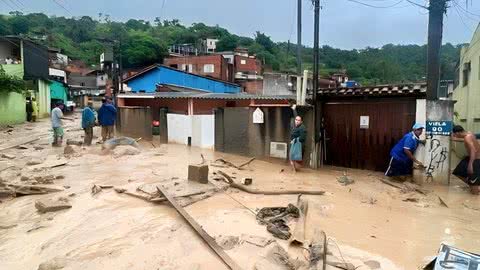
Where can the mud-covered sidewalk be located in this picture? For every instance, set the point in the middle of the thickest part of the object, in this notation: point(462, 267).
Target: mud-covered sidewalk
point(376, 225)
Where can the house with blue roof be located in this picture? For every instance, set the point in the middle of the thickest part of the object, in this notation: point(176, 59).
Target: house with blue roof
point(147, 81)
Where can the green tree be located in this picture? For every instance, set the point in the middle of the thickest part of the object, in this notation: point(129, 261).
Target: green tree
point(265, 41)
point(19, 25)
point(227, 43)
point(141, 49)
point(10, 83)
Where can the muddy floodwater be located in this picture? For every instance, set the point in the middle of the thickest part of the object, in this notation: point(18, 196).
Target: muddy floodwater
point(367, 221)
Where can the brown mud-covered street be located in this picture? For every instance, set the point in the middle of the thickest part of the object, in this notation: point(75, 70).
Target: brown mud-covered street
point(376, 226)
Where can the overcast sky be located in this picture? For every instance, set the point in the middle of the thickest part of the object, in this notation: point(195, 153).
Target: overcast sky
point(344, 24)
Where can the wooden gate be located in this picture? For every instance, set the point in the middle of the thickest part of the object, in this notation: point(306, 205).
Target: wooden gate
point(349, 145)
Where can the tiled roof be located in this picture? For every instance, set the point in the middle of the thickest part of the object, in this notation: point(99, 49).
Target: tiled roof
point(196, 95)
point(419, 89)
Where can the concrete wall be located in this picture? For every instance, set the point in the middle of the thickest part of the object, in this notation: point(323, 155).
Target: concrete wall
point(199, 128)
point(179, 128)
point(43, 98)
point(236, 133)
point(203, 131)
point(12, 108)
point(161, 75)
point(135, 122)
point(277, 84)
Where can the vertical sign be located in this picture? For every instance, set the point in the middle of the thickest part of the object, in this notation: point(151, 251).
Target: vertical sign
point(364, 122)
point(258, 116)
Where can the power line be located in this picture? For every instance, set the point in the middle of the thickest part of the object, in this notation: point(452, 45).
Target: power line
point(8, 4)
point(461, 18)
point(417, 5)
point(373, 6)
point(62, 6)
point(161, 10)
point(464, 9)
point(17, 6)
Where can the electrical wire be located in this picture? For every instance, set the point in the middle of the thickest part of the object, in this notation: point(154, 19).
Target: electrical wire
point(417, 5)
point(293, 23)
point(373, 6)
point(464, 9)
point(8, 4)
point(17, 6)
point(461, 18)
point(161, 10)
point(63, 7)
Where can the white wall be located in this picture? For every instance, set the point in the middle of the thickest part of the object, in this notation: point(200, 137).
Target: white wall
point(179, 128)
point(421, 117)
point(201, 128)
point(203, 131)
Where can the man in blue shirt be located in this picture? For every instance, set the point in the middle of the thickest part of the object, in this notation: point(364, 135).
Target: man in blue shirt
point(107, 115)
point(402, 154)
point(88, 122)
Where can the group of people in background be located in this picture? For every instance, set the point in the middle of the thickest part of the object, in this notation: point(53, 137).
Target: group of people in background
point(11, 61)
point(106, 116)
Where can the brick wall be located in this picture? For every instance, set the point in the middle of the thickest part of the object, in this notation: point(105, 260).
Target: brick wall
point(251, 65)
point(221, 67)
point(252, 87)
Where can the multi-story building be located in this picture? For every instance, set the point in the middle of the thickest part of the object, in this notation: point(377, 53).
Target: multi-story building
point(467, 85)
point(26, 60)
point(215, 66)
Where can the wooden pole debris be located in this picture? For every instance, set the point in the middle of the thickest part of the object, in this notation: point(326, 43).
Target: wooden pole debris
point(390, 183)
point(318, 250)
point(203, 234)
point(230, 164)
point(246, 163)
point(20, 142)
point(442, 202)
point(298, 235)
point(266, 192)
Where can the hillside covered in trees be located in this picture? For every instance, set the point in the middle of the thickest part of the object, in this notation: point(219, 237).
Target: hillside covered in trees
point(145, 42)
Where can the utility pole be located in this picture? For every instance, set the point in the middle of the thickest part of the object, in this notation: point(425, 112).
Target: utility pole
point(316, 71)
point(438, 112)
point(121, 64)
point(437, 10)
point(299, 38)
point(299, 54)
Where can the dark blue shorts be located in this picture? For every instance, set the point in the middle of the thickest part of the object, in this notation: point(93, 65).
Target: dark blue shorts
point(399, 168)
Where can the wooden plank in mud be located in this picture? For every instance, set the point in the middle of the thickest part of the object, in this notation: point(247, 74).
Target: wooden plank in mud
point(205, 236)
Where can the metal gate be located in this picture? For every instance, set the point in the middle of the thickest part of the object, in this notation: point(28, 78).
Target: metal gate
point(365, 145)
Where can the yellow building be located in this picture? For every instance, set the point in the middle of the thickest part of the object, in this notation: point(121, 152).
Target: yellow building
point(467, 88)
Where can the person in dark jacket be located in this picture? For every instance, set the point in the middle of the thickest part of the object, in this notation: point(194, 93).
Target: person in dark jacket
point(106, 118)
point(299, 132)
point(29, 109)
point(88, 122)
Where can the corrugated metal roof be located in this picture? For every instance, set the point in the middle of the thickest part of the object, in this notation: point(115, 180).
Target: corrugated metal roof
point(379, 90)
point(196, 95)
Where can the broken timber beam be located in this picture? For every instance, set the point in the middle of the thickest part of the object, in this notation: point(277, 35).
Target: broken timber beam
point(205, 236)
point(266, 192)
point(298, 235)
point(20, 142)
